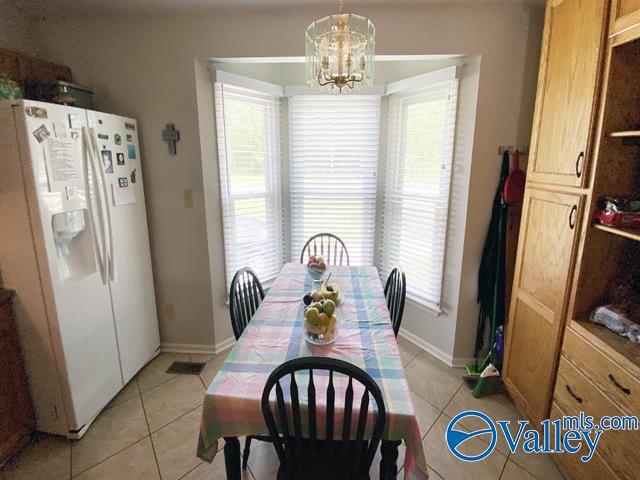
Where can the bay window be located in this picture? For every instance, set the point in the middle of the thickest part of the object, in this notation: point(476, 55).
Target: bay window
point(322, 176)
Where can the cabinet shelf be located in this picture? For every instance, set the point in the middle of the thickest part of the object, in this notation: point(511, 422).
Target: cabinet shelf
point(623, 232)
point(623, 350)
point(629, 137)
point(626, 133)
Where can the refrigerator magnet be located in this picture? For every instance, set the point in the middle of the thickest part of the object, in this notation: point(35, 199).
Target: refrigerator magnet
point(133, 176)
point(75, 135)
point(36, 112)
point(129, 126)
point(123, 182)
point(120, 158)
point(75, 120)
point(131, 150)
point(42, 133)
point(59, 130)
point(107, 160)
point(103, 136)
point(117, 139)
point(129, 138)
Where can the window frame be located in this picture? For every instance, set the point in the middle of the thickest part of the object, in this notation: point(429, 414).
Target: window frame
point(273, 185)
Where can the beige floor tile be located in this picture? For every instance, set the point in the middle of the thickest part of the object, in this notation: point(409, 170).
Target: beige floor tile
point(46, 457)
point(425, 413)
point(135, 463)
point(212, 367)
point(433, 475)
point(450, 467)
point(216, 471)
point(538, 464)
point(113, 431)
point(155, 372)
point(201, 357)
point(433, 380)
point(171, 399)
point(408, 350)
point(497, 407)
point(129, 391)
point(175, 445)
point(514, 472)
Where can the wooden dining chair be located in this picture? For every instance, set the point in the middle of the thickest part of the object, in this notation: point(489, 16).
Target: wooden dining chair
point(330, 246)
point(395, 292)
point(312, 456)
point(245, 295)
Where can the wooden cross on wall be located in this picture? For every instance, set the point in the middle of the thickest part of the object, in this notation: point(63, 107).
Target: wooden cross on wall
point(171, 136)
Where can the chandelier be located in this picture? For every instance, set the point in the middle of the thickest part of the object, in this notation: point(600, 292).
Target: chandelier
point(340, 51)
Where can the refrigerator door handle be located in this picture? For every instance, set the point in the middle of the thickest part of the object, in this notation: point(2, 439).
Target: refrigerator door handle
point(105, 195)
point(94, 197)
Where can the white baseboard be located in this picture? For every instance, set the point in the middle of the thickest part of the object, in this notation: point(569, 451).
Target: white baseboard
point(199, 349)
point(224, 344)
point(187, 348)
point(435, 351)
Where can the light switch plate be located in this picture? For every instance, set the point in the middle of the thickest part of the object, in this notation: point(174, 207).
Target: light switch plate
point(170, 311)
point(188, 198)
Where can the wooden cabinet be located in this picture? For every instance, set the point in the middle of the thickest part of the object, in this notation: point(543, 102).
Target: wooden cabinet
point(575, 393)
point(626, 15)
point(570, 66)
point(573, 467)
point(16, 414)
point(548, 236)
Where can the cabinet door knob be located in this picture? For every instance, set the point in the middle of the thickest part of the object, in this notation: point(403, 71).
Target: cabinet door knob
point(575, 397)
point(579, 164)
point(572, 220)
point(624, 390)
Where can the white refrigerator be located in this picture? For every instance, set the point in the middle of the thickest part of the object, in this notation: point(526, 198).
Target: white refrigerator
point(74, 246)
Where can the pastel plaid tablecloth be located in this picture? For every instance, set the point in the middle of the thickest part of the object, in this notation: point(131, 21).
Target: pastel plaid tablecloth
point(276, 334)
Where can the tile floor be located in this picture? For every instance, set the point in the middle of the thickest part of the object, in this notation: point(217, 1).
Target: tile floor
point(149, 431)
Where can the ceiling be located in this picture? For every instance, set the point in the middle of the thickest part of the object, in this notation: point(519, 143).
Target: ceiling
point(41, 7)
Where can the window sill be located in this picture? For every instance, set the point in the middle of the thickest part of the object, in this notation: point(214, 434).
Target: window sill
point(427, 307)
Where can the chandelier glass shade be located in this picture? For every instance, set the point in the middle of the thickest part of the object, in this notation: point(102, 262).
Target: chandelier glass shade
point(340, 53)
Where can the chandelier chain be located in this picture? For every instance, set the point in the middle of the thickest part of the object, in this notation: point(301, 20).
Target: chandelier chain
point(340, 6)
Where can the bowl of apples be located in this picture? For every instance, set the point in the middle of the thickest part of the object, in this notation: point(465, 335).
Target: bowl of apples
point(320, 322)
point(316, 266)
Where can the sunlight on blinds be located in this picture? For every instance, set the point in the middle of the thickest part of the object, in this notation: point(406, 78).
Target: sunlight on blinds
point(421, 128)
point(248, 129)
point(333, 151)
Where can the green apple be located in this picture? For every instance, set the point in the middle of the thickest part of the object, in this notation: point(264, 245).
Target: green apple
point(317, 306)
point(329, 307)
point(313, 315)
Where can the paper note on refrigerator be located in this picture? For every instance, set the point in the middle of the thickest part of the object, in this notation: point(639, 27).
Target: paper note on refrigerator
point(64, 165)
point(122, 195)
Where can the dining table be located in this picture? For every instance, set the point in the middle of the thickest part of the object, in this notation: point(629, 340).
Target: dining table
point(275, 334)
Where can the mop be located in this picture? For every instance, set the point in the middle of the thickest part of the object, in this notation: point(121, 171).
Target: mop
point(483, 376)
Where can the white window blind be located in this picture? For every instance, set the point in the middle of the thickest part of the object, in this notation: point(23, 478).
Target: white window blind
point(419, 153)
point(333, 152)
point(248, 130)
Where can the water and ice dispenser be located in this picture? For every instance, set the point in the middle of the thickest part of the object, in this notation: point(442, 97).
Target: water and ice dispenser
point(73, 244)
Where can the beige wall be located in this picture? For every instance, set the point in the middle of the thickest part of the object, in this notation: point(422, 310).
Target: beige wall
point(15, 30)
point(143, 66)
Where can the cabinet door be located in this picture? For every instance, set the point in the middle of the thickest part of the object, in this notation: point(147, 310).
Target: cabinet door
point(538, 304)
point(626, 15)
point(566, 101)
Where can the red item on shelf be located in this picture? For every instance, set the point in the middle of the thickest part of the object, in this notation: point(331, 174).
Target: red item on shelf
point(620, 213)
